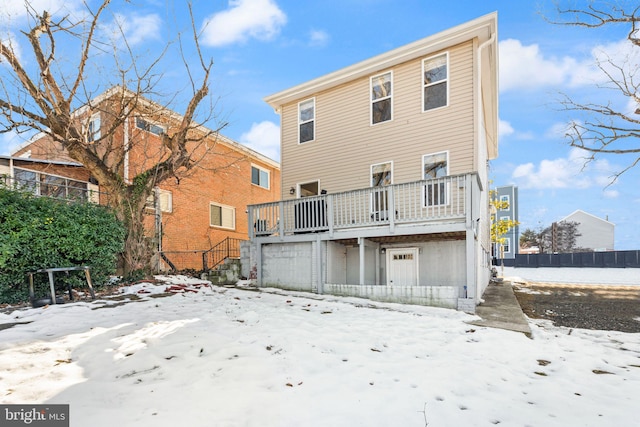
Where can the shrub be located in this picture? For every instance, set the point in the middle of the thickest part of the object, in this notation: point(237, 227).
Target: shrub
point(39, 232)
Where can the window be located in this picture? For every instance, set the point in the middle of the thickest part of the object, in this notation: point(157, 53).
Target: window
point(435, 166)
point(381, 102)
point(44, 184)
point(309, 189)
point(435, 77)
point(222, 216)
point(260, 177)
point(52, 186)
point(149, 127)
point(26, 180)
point(164, 198)
point(506, 245)
point(381, 176)
point(505, 199)
point(93, 130)
point(306, 120)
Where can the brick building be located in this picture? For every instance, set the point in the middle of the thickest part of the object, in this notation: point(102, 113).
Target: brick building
point(189, 214)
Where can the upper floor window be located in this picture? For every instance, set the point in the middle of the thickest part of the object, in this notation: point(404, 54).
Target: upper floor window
point(435, 166)
point(222, 216)
point(307, 120)
point(381, 101)
point(163, 198)
point(93, 131)
point(435, 82)
point(505, 200)
point(149, 126)
point(260, 177)
point(506, 245)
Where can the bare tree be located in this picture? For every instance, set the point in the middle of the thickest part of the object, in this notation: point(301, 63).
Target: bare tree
point(604, 127)
point(58, 99)
point(559, 237)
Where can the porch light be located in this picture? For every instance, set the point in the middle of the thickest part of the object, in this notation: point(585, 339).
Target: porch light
point(292, 191)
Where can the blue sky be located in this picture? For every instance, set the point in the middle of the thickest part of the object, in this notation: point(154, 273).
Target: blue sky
point(264, 46)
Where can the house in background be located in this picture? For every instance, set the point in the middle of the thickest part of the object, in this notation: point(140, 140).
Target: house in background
point(61, 179)
point(596, 234)
point(202, 211)
point(385, 189)
point(510, 247)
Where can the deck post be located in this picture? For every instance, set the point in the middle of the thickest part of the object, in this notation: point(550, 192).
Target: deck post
point(361, 244)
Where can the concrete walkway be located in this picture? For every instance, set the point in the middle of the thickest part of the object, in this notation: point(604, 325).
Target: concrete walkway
point(501, 309)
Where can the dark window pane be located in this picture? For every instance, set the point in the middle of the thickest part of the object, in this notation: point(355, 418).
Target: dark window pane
point(435, 74)
point(306, 132)
point(435, 96)
point(52, 186)
point(26, 180)
point(381, 111)
point(381, 86)
point(216, 215)
point(255, 176)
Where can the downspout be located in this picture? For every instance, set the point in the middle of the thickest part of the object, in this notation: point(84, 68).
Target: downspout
point(473, 286)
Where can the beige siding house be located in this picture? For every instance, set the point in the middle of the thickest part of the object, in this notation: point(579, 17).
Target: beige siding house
point(384, 176)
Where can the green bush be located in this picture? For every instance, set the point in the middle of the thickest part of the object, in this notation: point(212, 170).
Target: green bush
point(39, 232)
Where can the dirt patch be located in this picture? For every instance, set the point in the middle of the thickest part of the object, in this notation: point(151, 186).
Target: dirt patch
point(601, 307)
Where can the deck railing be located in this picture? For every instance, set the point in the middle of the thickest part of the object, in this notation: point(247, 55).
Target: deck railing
point(413, 202)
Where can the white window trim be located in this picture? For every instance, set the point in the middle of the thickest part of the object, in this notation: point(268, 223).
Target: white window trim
point(39, 176)
point(267, 171)
point(165, 200)
point(507, 244)
point(233, 212)
point(96, 134)
point(300, 122)
point(150, 122)
point(447, 189)
point(372, 204)
point(371, 100)
point(447, 80)
point(378, 164)
point(300, 184)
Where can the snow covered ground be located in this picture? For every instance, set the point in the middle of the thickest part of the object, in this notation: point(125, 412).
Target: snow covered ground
point(581, 276)
point(233, 357)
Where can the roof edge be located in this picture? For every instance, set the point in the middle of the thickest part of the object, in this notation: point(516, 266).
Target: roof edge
point(482, 27)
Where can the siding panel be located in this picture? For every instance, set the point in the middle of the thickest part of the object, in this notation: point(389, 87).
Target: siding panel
point(346, 144)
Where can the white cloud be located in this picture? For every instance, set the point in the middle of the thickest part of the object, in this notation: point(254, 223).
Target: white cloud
point(263, 137)
point(135, 28)
point(260, 19)
point(572, 171)
point(14, 12)
point(318, 38)
point(504, 128)
point(10, 142)
point(9, 40)
point(558, 130)
point(611, 194)
point(527, 67)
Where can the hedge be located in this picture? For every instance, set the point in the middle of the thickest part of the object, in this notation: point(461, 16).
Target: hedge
point(40, 232)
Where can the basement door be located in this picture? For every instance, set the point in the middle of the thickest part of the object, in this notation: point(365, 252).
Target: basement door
point(403, 267)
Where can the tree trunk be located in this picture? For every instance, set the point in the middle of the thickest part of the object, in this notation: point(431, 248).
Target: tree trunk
point(138, 246)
